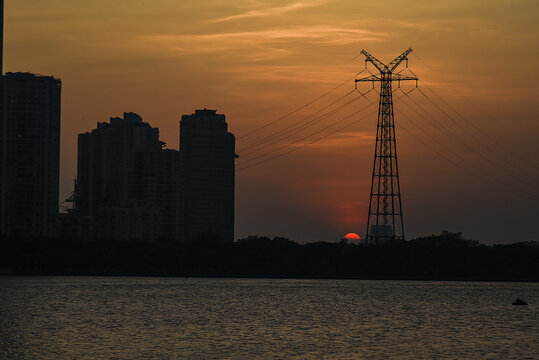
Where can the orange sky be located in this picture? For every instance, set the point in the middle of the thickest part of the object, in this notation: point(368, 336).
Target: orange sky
point(258, 60)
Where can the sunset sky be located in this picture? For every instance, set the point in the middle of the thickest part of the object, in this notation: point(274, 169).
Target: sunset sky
point(475, 169)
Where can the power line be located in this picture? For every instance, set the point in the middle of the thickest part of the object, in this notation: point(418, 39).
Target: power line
point(479, 140)
point(508, 166)
point(284, 131)
point(484, 135)
point(461, 159)
point(510, 186)
point(433, 149)
point(307, 144)
point(509, 163)
point(305, 138)
point(298, 130)
point(310, 124)
point(320, 138)
point(432, 120)
point(299, 108)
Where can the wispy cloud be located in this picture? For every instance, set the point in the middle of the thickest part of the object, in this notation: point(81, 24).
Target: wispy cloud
point(272, 11)
point(340, 140)
point(253, 41)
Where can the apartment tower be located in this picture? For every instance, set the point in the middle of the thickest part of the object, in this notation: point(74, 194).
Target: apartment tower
point(208, 154)
point(29, 154)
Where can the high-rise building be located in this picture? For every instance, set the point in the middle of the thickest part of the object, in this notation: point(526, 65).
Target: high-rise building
point(208, 154)
point(29, 154)
point(128, 186)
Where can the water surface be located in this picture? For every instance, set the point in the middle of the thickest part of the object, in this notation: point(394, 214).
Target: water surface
point(196, 318)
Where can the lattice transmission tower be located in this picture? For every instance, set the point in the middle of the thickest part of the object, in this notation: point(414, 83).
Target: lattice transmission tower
point(385, 207)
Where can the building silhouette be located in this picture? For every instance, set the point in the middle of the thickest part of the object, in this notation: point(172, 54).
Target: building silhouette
point(208, 154)
point(128, 186)
point(29, 154)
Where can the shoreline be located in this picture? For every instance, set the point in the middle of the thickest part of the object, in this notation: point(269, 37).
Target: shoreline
point(275, 277)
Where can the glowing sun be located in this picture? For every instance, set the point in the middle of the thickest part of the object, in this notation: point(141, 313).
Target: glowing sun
point(352, 236)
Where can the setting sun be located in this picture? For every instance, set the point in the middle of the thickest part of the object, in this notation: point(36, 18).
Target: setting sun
point(352, 236)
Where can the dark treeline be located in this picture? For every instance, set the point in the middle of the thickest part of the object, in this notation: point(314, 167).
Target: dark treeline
point(444, 256)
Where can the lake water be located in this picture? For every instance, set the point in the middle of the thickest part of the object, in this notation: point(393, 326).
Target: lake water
point(195, 318)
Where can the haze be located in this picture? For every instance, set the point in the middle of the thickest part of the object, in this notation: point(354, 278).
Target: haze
point(258, 60)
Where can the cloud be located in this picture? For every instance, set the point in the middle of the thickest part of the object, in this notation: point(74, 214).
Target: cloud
point(272, 41)
point(346, 139)
point(270, 11)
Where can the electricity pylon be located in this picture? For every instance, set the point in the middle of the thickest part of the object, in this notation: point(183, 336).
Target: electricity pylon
point(385, 207)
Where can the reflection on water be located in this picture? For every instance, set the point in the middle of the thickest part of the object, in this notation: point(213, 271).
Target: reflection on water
point(136, 318)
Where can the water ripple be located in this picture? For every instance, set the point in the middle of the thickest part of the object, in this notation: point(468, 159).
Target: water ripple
point(177, 318)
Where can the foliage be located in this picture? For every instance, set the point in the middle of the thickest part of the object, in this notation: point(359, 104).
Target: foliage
point(444, 256)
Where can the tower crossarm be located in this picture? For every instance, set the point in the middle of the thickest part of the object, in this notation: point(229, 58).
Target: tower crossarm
point(377, 63)
point(394, 77)
point(393, 65)
point(369, 78)
point(399, 77)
